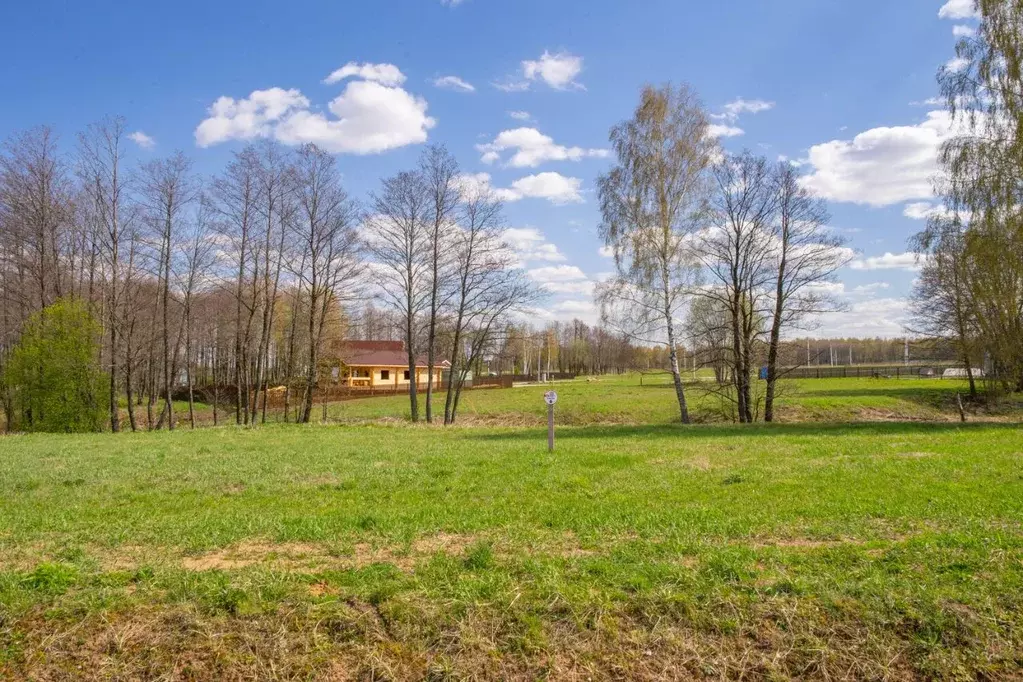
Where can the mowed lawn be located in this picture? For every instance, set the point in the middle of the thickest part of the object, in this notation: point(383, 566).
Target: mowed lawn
point(810, 551)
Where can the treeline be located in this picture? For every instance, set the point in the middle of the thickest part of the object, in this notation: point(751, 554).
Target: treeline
point(219, 289)
point(970, 289)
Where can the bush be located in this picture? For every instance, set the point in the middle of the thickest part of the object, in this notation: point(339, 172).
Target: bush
point(53, 377)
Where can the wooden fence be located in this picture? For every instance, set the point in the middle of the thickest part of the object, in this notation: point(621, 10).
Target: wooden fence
point(867, 371)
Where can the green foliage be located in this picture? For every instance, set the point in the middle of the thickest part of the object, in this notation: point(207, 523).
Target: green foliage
point(53, 376)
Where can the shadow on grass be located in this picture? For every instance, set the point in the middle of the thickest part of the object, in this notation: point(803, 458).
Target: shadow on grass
point(709, 431)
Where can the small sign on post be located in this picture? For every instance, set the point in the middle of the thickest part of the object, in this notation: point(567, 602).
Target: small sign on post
point(550, 397)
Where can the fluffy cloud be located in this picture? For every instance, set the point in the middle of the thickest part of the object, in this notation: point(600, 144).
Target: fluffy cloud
point(730, 115)
point(957, 64)
point(532, 148)
point(385, 74)
point(558, 71)
point(867, 318)
point(368, 117)
point(962, 31)
point(530, 244)
point(247, 118)
point(733, 109)
point(959, 9)
point(453, 83)
point(553, 187)
point(889, 261)
point(719, 130)
point(881, 166)
point(562, 279)
point(606, 252)
point(142, 140)
point(520, 115)
point(922, 210)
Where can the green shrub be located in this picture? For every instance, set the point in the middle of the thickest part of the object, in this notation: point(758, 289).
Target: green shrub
point(53, 376)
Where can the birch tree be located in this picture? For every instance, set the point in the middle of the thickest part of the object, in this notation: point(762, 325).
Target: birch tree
point(653, 202)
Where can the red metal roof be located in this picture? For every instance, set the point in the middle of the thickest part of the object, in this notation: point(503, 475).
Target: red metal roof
point(381, 354)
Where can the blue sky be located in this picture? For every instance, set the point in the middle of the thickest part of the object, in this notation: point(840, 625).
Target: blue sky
point(839, 87)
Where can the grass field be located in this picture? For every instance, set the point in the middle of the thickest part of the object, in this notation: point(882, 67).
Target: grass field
point(638, 550)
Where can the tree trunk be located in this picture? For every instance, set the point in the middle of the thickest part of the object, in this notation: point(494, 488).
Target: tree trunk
point(680, 393)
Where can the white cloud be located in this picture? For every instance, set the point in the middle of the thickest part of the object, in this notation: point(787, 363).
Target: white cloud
point(530, 244)
point(881, 166)
point(957, 64)
point(520, 115)
point(559, 71)
point(553, 187)
point(718, 130)
point(557, 273)
point(142, 140)
point(959, 9)
point(963, 31)
point(889, 261)
point(874, 287)
point(570, 309)
point(733, 109)
point(562, 279)
point(532, 148)
point(867, 318)
point(369, 117)
point(453, 83)
point(451, 3)
point(922, 210)
point(929, 102)
point(244, 119)
point(385, 74)
point(606, 252)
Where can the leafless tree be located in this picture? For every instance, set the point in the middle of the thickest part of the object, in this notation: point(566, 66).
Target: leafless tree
point(398, 239)
point(941, 304)
point(653, 203)
point(100, 159)
point(167, 190)
point(487, 287)
point(234, 193)
point(439, 172)
point(330, 246)
point(738, 253)
point(807, 256)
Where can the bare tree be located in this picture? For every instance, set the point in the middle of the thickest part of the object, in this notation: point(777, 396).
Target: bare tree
point(167, 189)
point(398, 239)
point(807, 256)
point(330, 246)
point(439, 171)
point(235, 194)
point(487, 288)
point(35, 200)
point(941, 305)
point(738, 253)
point(653, 203)
point(199, 259)
point(101, 153)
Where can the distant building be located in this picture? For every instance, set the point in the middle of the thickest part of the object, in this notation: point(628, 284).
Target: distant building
point(379, 364)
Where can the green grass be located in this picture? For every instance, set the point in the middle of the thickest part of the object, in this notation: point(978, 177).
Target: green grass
point(625, 400)
point(645, 551)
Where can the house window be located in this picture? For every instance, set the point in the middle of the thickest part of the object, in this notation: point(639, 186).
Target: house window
point(385, 374)
point(406, 375)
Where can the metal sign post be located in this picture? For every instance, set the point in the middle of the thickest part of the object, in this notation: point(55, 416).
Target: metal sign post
point(550, 397)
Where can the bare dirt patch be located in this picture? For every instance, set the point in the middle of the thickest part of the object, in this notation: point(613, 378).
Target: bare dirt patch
point(289, 555)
